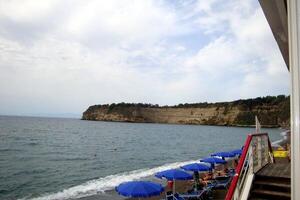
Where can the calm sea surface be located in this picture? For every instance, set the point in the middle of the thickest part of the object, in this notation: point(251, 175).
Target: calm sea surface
point(51, 158)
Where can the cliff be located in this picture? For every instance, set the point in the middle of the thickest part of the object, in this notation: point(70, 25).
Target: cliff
point(271, 111)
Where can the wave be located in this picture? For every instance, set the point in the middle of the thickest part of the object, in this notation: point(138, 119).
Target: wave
point(103, 184)
point(7, 150)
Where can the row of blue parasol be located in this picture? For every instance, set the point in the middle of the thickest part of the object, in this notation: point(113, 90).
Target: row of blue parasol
point(145, 189)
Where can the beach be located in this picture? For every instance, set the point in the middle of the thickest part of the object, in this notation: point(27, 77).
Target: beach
point(181, 187)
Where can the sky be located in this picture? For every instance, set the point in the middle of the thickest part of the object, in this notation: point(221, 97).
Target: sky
point(57, 57)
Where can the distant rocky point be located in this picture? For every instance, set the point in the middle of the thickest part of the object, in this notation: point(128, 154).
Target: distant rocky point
point(272, 111)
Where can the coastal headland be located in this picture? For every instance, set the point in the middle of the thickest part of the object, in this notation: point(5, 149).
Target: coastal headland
point(272, 111)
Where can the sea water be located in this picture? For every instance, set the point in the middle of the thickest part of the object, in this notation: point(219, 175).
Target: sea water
point(56, 158)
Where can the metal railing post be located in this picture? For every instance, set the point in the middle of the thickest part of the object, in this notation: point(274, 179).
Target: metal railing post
point(294, 60)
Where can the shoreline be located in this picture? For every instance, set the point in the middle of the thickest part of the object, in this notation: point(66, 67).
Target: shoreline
point(222, 125)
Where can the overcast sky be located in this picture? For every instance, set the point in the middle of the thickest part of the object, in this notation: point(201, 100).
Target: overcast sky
point(60, 57)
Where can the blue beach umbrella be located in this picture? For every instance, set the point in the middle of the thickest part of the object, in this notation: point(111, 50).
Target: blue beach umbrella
point(224, 154)
point(213, 161)
point(139, 189)
point(174, 174)
point(237, 152)
point(196, 167)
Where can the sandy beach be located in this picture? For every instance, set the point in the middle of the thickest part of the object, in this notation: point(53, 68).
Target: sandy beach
point(112, 195)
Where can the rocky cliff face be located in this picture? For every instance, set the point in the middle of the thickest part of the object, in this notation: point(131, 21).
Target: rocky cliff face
point(271, 111)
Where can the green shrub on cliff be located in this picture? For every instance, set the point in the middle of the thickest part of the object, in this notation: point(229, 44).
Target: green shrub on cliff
point(243, 103)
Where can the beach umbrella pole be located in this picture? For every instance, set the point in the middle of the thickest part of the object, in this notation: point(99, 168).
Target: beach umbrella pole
point(174, 187)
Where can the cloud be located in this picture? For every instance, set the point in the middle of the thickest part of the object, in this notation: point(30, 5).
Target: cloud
point(61, 56)
point(27, 11)
point(244, 56)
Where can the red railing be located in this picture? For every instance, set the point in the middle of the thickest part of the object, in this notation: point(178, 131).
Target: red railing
point(240, 165)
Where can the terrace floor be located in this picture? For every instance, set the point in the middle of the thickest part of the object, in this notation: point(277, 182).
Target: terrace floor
point(280, 169)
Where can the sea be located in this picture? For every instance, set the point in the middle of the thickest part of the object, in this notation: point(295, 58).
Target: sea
point(59, 158)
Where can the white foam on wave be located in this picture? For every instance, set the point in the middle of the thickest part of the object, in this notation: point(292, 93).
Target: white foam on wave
point(96, 186)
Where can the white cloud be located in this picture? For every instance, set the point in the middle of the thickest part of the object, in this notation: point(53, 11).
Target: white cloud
point(25, 11)
point(61, 56)
point(245, 54)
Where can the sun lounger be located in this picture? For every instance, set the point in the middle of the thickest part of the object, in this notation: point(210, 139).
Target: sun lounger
point(193, 194)
point(202, 195)
point(231, 172)
point(169, 195)
point(177, 197)
point(222, 182)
